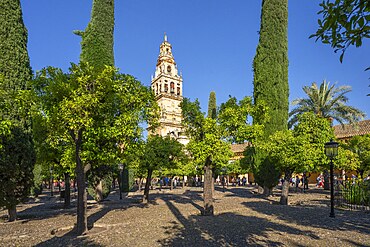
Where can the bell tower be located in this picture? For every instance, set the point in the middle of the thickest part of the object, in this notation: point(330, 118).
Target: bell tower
point(167, 87)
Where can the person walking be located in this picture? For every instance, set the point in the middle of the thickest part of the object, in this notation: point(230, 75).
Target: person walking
point(297, 182)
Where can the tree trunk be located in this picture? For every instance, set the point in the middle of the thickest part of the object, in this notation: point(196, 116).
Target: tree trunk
point(12, 213)
point(81, 200)
point(171, 183)
point(67, 190)
point(285, 189)
point(183, 181)
point(326, 180)
point(52, 183)
point(140, 183)
point(213, 183)
point(147, 184)
point(207, 190)
point(81, 186)
point(99, 191)
point(267, 191)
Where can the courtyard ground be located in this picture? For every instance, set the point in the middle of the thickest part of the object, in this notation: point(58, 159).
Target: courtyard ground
point(242, 218)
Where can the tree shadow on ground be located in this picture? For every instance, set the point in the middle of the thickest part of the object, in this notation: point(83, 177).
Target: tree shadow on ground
point(245, 192)
point(314, 216)
point(193, 197)
point(68, 236)
point(69, 239)
point(43, 208)
point(226, 229)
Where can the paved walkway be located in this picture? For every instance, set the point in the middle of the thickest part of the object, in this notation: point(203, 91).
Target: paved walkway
point(242, 218)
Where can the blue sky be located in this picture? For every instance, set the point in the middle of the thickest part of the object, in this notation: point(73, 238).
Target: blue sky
point(214, 43)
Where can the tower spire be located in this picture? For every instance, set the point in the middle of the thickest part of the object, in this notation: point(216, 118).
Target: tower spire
point(165, 37)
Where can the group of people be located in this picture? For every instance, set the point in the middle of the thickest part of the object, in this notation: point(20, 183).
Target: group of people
point(166, 181)
point(297, 181)
point(235, 181)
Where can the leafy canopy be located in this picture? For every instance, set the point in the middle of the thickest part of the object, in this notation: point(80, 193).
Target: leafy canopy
point(235, 116)
point(161, 153)
point(206, 136)
point(107, 106)
point(344, 23)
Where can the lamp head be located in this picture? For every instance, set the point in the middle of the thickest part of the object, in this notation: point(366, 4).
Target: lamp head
point(331, 149)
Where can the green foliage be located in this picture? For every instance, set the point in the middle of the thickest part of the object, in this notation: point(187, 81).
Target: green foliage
point(106, 105)
point(233, 117)
point(161, 153)
point(99, 174)
point(316, 131)
point(270, 66)
point(357, 192)
point(360, 146)
point(327, 101)
point(17, 156)
point(234, 168)
point(36, 188)
point(344, 23)
point(193, 118)
point(287, 151)
point(211, 145)
point(17, 159)
point(346, 160)
point(128, 180)
point(212, 107)
point(206, 137)
point(97, 39)
point(14, 59)
point(297, 150)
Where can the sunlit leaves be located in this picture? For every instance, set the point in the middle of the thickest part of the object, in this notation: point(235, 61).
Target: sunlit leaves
point(235, 117)
point(344, 23)
point(106, 105)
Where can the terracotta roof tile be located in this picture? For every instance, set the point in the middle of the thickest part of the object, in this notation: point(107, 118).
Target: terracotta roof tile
point(239, 148)
point(348, 130)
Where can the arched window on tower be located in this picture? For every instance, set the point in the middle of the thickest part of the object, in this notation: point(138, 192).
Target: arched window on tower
point(156, 89)
point(172, 85)
point(178, 90)
point(166, 87)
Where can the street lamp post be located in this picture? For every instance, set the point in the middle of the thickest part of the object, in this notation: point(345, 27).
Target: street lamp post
point(331, 150)
point(120, 167)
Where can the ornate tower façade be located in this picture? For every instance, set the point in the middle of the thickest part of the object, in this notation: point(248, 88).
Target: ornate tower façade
point(167, 87)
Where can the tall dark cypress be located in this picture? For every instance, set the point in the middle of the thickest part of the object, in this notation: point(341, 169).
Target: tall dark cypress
point(270, 67)
point(97, 39)
point(16, 146)
point(212, 107)
point(14, 59)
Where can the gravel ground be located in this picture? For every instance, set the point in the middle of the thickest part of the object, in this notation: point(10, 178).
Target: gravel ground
point(242, 218)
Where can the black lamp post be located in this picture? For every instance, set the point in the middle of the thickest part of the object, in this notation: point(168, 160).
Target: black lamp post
point(120, 167)
point(331, 150)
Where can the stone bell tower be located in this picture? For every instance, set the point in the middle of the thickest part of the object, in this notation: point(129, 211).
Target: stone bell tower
point(167, 87)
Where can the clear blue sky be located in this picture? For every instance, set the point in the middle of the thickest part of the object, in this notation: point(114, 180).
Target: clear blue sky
point(214, 42)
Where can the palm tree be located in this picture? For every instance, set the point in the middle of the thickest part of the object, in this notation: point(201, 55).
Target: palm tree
point(328, 101)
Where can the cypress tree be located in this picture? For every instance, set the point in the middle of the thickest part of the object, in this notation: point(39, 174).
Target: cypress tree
point(212, 108)
point(270, 67)
point(16, 146)
point(97, 39)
